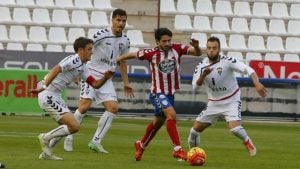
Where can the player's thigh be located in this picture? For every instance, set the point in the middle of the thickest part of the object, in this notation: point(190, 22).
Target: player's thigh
point(106, 93)
point(169, 112)
point(53, 104)
point(208, 115)
point(84, 105)
point(163, 104)
point(233, 111)
point(200, 126)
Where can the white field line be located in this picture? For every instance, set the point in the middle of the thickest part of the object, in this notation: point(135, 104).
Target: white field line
point(20, 134)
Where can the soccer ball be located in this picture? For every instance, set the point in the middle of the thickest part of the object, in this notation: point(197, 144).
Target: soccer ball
point(196, 156)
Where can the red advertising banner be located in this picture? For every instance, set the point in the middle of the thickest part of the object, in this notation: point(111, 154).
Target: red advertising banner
point(277, 70)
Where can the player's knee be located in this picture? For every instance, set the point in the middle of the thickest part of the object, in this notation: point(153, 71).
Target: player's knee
point(199, 127)
point(74, 127)
point(113, 109)
point(83, 109)
point(84, 105)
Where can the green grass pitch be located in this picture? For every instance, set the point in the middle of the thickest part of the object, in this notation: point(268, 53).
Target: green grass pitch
point(278, 146)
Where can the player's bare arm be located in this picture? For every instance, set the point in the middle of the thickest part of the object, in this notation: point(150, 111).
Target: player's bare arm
point(127, 87)
point(49, 78)
point(201, 79)
point(126, 56)
point(195, 49)
point(98, 83)
point(260, 88)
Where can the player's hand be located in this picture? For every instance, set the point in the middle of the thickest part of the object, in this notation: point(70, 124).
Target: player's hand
point(207, 71)
point(36, 91)
point(194, 43)
point(77, 80)
point(261, 90)
point(128, 91)
point(108, 74)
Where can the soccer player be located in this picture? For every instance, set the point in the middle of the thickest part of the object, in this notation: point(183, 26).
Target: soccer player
point(216, 73)
point(164, 63)
point(49, 93)
point(108, 44)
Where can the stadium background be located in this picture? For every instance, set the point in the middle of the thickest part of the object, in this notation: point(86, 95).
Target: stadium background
point(36, 34)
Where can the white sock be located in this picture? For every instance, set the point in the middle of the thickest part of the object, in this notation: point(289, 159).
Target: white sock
point(103, 126)
point(78, 116)
point(60, 131)
point(54, 141)
point(240, 132)
point(194, 138)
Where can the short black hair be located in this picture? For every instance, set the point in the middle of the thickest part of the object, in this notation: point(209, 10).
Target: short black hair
point(214, 39)
point(158, 33)
point(81, 42)
point(119, 12)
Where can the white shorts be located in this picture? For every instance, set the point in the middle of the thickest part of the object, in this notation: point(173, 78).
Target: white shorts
point(52, 103)
point(104, 93)
point(230, 111)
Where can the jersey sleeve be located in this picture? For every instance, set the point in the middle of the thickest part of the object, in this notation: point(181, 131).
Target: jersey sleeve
point(181, 49)
point(69, 63)
point(100, 35)
point(145, 54)
point(196, 75)
point(127, 46)
point(238, 66)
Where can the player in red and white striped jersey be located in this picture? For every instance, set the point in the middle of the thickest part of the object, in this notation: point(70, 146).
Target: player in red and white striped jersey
point(216, 73)
point(164, 63)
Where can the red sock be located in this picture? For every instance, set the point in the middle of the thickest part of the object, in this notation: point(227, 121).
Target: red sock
point(150, 133)
point(173, 133)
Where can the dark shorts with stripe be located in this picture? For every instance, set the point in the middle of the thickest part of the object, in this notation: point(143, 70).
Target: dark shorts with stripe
point(160, 102)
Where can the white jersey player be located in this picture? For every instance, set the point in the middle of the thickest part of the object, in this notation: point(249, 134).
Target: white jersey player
point(216, 73)
point(108, 44)
point(49, 94)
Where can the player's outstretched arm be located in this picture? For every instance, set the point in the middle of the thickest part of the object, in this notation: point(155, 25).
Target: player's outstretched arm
point(49, 78)
point(127, 56)
point(98, 83)
point(127, 87)
point(260, 88)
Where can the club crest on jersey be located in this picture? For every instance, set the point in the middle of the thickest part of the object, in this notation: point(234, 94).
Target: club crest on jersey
point(219, 69)
point(121, 46)
point(167, 66)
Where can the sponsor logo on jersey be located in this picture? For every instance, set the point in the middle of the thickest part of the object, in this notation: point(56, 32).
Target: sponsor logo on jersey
point(167, 66)
point(217, 89)
point(108, 61)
